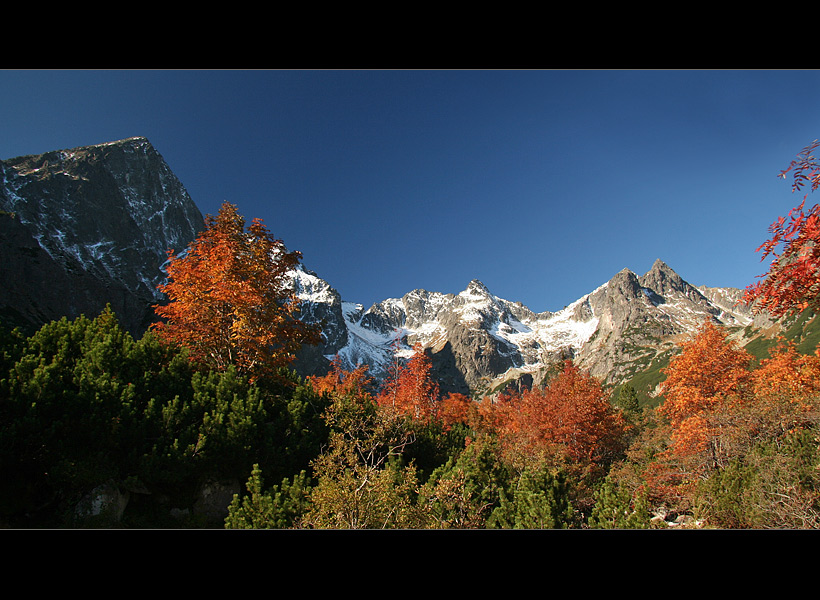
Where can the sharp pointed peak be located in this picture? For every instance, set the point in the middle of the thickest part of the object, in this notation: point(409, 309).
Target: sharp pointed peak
point(476, 285)
point(660, 265)
point(661, 278)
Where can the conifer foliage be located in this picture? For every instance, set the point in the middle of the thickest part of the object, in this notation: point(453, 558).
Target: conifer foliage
point(83, 404)
point(229, 298)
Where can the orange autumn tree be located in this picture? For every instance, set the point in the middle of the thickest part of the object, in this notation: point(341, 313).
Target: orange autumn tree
point(570, 419)
point(410, 390)
point(708, 375)
point(793, 280)
point(787, 374)
point(784, 393)
point(454, 408)
point(352, 385)
point(229, 298)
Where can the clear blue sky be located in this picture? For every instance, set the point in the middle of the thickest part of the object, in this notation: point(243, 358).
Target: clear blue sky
point(541, 183)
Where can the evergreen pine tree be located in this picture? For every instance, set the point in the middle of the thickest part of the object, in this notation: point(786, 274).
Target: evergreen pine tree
point(615, 508)
point(538, 500)
point(280, 508)
point(628, 400)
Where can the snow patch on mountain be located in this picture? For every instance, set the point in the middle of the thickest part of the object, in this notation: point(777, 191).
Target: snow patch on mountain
point(494, 339)
point(310, 288)
point(424, 318)
point(368, 346)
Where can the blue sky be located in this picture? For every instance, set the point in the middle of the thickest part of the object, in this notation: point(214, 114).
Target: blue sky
point(541, 183)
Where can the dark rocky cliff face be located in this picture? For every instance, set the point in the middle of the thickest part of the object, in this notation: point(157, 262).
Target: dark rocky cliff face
point(84, 227)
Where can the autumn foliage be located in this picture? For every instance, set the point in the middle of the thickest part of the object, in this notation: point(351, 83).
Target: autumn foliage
point(708, 371)
point(787, 374)
point(720, 406)
point(732, 442)
point(571, 419)
point(411, 390)
point(712, 382)
point(229, 300)
point(707, 377)
point(793, 279)
point(355, 384)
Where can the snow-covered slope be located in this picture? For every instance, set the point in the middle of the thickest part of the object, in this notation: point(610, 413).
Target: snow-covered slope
point(396, 325)
point(480, 330)
point(89, 226)
point(478, 340)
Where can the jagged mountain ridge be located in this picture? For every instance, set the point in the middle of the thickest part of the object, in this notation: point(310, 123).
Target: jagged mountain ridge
point(88, 226)
point(478, 341)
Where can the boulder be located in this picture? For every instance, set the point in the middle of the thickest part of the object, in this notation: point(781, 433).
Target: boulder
point(103, 506)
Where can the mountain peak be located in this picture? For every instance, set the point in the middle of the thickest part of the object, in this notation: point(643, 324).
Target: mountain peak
point(477, 287)
point(659, 265)
point(135, 142)
point(111, 210)
point(136, 139)
point(661, 278)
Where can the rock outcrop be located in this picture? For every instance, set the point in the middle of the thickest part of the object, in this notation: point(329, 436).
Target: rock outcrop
point(642, 318)
point(89, 226)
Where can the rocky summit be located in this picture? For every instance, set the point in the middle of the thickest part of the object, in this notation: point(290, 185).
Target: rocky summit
point(88, 226)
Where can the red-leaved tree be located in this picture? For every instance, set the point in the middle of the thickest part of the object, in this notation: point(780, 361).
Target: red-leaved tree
point(229, 298)
point(793, 280)
point(454, 408)
point(409, 389)
point(571, 419)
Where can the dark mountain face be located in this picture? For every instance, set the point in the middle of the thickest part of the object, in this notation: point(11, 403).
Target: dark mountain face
point(88, 226)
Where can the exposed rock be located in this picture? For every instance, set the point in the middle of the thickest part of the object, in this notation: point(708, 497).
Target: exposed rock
point(320, 305)
point(214, 498)
point(103, 506)
point(480, 343)
point(37, 288)
point(90, 226)
point(642, 318)
point(663, 281)
point(384, 317)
